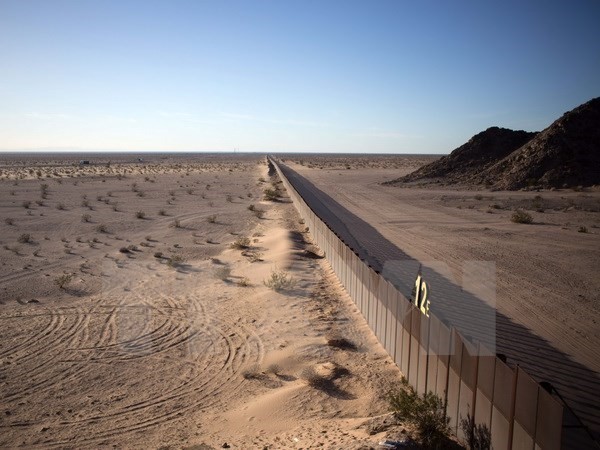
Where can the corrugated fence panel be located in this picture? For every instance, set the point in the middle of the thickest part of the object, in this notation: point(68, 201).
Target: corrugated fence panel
point(423, 351)
point(484, 393)
point(366, 298)
point(526, 403)
point(444, 349)
point(406, 341)
point(502, 406)
point(468, 380)
point(381, 311)
point(399, 311)
point(433, 354)
point(415, 335)
point(373, 288)
point(390, 326)
point(549, 422)
point(454, 380)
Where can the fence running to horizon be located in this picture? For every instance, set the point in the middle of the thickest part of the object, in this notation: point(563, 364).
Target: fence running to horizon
point(505, 403)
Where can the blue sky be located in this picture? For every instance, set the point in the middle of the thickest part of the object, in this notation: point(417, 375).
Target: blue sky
point(321, 76)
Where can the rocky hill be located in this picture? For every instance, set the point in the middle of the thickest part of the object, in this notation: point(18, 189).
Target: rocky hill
point(470, 159)
point(565, 154)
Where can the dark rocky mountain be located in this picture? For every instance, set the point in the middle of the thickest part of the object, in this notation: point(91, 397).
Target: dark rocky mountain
point(470, 159)
point(566, 154)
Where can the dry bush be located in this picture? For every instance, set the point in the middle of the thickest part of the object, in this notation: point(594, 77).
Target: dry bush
point(86, 217)
point(279, 281)
point(176, 261)
point(520, 216)
point(162, 212)
point(63, 280)
point(223, 272)
point(26, 204)
point(9, 221)
point(140, 215)
point(61, 206)
point(244, 282)
point(101, 228)
point(251, 207)
point(176, 223)
point(271, 194)
point(229, 198)
point(212, 218)
point(241, 243)
point(25, 238)
point(158, 255)
point(582, 229)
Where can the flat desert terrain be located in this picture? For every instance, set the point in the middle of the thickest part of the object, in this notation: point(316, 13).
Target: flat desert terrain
point(134, 312)
point(546, 272)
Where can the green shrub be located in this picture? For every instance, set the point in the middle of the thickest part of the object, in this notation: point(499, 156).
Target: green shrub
point(279, 281)
point(425, 412)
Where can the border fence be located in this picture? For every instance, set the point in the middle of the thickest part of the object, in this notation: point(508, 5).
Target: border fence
point(506, 404)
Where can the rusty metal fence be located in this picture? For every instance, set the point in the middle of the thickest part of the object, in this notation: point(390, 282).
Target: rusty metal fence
point(509, 405)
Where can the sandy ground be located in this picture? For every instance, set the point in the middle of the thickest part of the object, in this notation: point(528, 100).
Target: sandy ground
point(547, 271)
point(152, 344)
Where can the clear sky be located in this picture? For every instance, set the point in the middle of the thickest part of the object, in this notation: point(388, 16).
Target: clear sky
point(398, 76)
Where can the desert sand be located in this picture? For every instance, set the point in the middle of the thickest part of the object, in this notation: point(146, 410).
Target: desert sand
point(163, 334)
point(546, 272)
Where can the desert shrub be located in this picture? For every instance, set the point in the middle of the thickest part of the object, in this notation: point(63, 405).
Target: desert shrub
point(223, 272)
point(190, 191)
point(162, 212)
point(124, 250)
point(425, 412)
point(86, 217)
point(478, 197)
point(279, 281)
point(212, 218)
point(478, 436)
point(271, 194)
point(61, 206)
point(252, 255)
point(25, 238)
point(140, 194)
point(63, 280)
point(176, 223)
point(251, 207)
point(261, 180)
point(341, 342)
point(140, 215)
point(26, 204)
point(229, 198)
point(520, 216)
point(9, 221)
point(158, 255)
point(39, 202)
point(582, 229)
point(244, 282)
point(176, 261)
point(241, 243)
point(101, 228)
point(115, 207)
